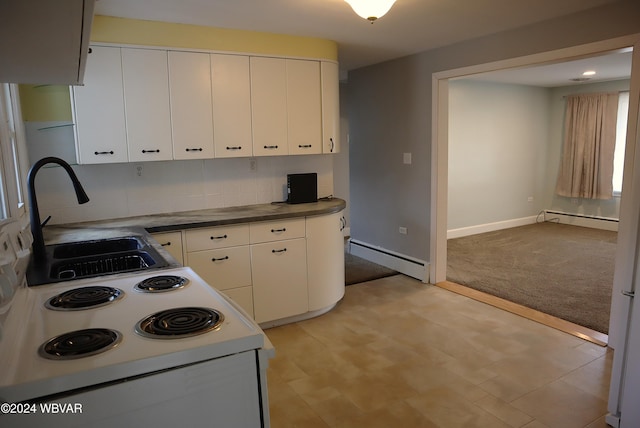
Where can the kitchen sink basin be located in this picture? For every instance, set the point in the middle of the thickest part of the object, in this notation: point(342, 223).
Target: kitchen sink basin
point(90, 248)
point(86, 259)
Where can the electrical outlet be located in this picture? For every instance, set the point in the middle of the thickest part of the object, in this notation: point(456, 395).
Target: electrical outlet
point(253, 164)
point(406, 158)
point(530, 199)
point(402, 230)
point(139, 169)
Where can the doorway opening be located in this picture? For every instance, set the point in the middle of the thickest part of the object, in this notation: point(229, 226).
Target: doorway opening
point(440, 170)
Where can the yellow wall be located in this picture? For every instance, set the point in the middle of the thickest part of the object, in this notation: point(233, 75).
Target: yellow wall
point(51, 103)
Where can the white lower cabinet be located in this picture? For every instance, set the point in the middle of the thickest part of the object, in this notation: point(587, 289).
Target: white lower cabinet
point(272, 269)
point(279, 271)
point(325, 260)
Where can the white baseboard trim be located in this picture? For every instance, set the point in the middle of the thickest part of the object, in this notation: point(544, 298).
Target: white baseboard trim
point(490, 227)
point(410, 266)
point(594, 222)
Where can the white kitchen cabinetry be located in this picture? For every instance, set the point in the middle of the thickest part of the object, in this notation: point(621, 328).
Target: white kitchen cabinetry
point(231, 86)
point(146, 100)
point(269, 106)
point(99, 109)
point(172, 243)
point(279, 269)
point(191, 109)
point(221, 256)
point(304, 107)
point(279, 272)
point(330, 107)
point(325, 259)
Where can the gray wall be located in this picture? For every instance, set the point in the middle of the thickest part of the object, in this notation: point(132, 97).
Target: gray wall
point(390, 113)
point(497, 152)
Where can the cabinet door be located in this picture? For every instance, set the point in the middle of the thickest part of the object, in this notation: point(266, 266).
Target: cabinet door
point(279, 272)
point(191, 111)
point(146, 100)
point(269, 106)
point(330, 107)
point(231, 86)
point(304, 113)
point(325, 260)
point(172, 243)
point(223, 269)
point(99, 109)
point(243, 296)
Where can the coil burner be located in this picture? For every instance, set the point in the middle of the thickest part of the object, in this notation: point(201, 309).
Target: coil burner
point(161, 283)
point(177, 323)
point(84, 298)
point(80, 343)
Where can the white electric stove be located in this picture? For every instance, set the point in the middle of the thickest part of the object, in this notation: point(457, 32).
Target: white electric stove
point(159, 347)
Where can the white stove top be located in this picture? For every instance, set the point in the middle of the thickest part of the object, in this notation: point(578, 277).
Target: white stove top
point(26, 375)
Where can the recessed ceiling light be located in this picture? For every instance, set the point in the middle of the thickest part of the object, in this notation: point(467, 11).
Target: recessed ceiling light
point(589, 73)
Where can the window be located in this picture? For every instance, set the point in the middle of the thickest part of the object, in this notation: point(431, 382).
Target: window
point(11, 154)
point(621, 136)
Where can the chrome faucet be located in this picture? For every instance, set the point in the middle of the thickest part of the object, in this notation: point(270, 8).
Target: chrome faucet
point(36, 227)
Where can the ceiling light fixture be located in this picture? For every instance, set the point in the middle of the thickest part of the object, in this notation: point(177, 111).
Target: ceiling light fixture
point(589, 73)
point(371, 9)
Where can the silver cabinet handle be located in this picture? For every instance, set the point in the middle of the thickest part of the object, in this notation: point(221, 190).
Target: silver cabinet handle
point(270, 147)
point(219, 237)
point(234, 147)
point(305, 146)
point(279, 251)
point(284, 229)
point(220, 259)
point(331, 145)
point(151, 151)
point(103, 153)
point(199, 149)
point(167, 244)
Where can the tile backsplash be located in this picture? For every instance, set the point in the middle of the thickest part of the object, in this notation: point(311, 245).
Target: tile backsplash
point(130, 189)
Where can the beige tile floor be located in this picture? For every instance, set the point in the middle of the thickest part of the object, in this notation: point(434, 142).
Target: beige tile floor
point(399, 353)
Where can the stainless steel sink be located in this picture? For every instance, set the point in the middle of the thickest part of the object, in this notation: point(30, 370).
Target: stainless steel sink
point(90, 248)
point(86, 259)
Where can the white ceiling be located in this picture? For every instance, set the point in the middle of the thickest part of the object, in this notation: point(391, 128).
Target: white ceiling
point(411, 26)
point(611, 66)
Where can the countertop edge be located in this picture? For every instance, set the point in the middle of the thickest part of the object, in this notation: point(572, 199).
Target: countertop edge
point(169, 222)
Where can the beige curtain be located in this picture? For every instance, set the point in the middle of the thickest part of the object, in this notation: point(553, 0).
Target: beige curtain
point(586, 169)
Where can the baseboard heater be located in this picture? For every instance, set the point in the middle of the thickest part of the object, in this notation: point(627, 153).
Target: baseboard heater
point(407, 265)
point(606, 223)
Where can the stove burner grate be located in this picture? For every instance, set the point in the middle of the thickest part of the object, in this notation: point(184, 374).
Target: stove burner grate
point(80, 343)
point(178, 323)
point(84, 298)
point(161, 283)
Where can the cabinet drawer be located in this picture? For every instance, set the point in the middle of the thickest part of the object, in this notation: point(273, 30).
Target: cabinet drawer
point(217, 237)
point(277, 230)
point(172, 243)
point(223, 269)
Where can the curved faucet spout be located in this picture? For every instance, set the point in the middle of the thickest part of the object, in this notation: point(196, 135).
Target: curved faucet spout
point(34, 215)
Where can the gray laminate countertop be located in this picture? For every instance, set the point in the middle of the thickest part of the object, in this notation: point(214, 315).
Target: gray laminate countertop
point(186, 220)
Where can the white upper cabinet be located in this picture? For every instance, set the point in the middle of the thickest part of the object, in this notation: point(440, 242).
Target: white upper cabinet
point(231, 85)
point(99, 109)
point(269, 106)
point(330, 107)
point(191, 109)
point(151, 104)
point(304, 116)
point(146, 100)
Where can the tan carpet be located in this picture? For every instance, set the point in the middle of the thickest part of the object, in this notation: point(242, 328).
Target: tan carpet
point(561, 270)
